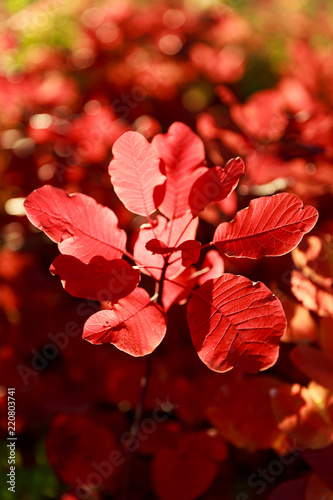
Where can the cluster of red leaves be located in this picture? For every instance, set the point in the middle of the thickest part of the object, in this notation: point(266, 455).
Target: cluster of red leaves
point(233, 321)
point(132, 72)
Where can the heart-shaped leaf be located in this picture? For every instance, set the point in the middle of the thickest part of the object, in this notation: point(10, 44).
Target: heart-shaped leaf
point(182, 152)
point(135, 325)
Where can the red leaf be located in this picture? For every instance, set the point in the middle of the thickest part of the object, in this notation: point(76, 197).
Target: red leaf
point(79, 225)
point(136, 175)
point(262, 116)
point(182, 152)
point(174, 291)
point(172, 233)
point(190, 252)
point(74, 463)
point(251, 397)
point(235, 322)
point(317, 489)
point(98, 280)
point(214, 264)
point(271, 225)
point(314, 364)
point(321, 462)
point(134, 325)
point(215, 184)
point(157, 246)
point(303, 413)
point(185, 472)
point(294, 489)
point(313, 296)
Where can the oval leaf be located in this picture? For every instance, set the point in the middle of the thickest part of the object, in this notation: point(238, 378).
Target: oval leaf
point(235, 322)
point(182, 152)
point(99, 280)
point(135, 325)
point(271, 225)
point(157, 246)
point(79, 225)
point(215, 184)
point(136, 175)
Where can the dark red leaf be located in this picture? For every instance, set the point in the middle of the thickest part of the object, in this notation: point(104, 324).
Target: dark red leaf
point(271, 225)
point(135, 325)
point(235, 322)
point(190, 252)
point(182, 152)
point(79, 225)
point(185, 472)
point(100, 279)
point(157, 246)
point(317, 489)
point(248, 396)
point(72, 451)
point(136, 175)
point(321, 462)
point(215, 184)
point(294, 489)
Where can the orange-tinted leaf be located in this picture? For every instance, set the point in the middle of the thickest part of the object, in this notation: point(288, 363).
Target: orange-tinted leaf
point(314, 297)
point(314, 364)
point(303, 414)
point(250, 397)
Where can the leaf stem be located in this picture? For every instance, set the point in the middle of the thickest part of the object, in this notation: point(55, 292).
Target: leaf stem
point(144, 388)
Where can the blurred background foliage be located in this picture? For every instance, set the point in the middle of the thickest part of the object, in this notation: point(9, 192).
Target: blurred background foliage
point(64, 67)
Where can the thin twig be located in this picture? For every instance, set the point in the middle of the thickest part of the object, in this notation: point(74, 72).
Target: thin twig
point(144, 388)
